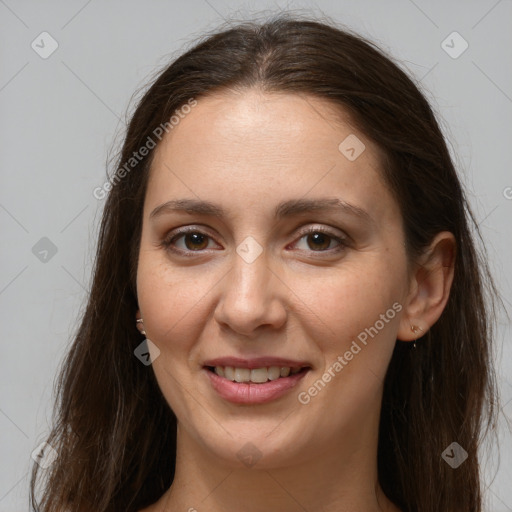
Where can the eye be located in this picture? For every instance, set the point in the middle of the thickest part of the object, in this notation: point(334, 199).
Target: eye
point(321, 240)
point(187, 241)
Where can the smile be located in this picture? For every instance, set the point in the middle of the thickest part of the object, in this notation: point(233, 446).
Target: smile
point(251, 386)
point(256, 375)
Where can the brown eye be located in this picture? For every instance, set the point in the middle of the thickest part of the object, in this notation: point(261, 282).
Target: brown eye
point(187, 242)
point(195, 241)
point(318, 241)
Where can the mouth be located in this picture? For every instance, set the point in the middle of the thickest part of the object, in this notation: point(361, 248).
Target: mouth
point(256, 381)
point(256, 375)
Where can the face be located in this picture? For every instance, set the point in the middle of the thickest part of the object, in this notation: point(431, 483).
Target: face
point(271, 275)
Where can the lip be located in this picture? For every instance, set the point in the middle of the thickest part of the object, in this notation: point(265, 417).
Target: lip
point(250, 393)
point(255, 362)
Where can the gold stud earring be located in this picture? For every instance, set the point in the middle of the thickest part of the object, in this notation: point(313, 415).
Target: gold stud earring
point(415, 329)
point(140, 322)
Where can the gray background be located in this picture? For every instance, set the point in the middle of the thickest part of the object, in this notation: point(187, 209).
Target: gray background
point(60, 116)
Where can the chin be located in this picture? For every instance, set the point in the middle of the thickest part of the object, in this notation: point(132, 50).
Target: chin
point(258, 445)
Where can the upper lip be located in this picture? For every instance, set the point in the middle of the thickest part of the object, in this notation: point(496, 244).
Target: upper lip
point(255, 362)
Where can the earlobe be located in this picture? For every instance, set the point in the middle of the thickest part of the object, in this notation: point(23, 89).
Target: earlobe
point(429, 289)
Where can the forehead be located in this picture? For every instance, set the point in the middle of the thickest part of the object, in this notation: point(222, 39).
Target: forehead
point(256, 148)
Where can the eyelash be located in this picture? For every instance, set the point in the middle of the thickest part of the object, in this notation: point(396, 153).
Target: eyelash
point(167, 243)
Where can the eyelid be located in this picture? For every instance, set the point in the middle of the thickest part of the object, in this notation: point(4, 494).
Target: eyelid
point(332, 232)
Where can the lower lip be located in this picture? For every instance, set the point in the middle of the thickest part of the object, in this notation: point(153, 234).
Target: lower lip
point(251, 393)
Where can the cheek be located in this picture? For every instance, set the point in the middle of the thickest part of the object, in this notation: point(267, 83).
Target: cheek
point(347, 301)
point(357, 335)
point(154, 285)
point(172, 302)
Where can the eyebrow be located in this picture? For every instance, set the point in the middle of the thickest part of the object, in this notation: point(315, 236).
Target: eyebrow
point(285, 209)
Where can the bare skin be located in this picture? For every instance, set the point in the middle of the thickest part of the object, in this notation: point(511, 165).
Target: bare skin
point(307, 297)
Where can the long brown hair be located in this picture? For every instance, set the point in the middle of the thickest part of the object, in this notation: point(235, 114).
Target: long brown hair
point(115, 434)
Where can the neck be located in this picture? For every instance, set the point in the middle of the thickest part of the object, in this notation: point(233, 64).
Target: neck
point(342, 478)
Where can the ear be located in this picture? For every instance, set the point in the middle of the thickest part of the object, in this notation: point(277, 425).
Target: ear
point(429, 288)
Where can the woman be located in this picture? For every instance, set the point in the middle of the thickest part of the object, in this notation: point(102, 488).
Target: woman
point(288, 311)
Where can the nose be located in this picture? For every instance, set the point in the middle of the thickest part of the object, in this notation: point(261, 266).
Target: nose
point(252, 298)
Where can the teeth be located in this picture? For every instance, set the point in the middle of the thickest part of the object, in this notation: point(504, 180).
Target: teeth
point(285, 371)
point(242, 374)
point(274, 373)
point(259, 375)
point(256, 375)
point(229, 372)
